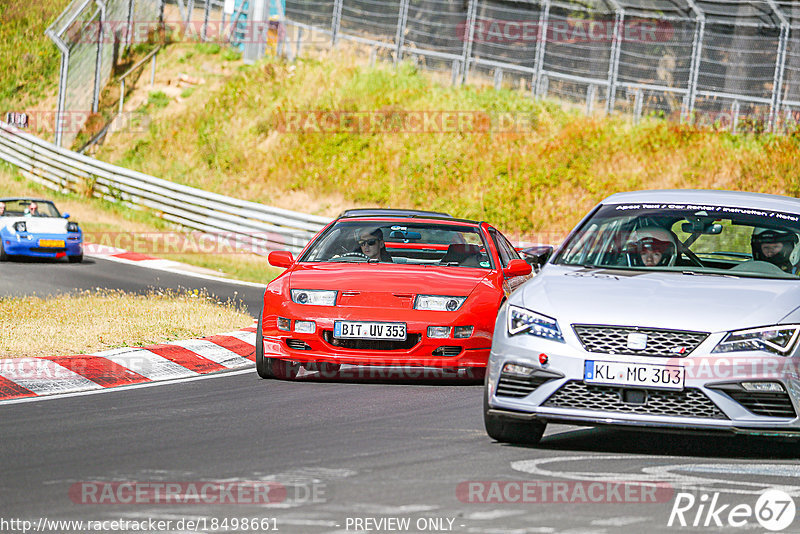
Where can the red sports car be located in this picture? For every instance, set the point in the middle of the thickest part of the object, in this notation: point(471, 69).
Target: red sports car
point(387, 288)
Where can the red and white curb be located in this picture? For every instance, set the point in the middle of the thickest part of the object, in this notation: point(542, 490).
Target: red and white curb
point(36, 377)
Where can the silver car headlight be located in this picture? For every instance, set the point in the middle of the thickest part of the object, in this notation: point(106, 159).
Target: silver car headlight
point(314, 297)
point(779, 339)
point(520, 320)
point(438, 302)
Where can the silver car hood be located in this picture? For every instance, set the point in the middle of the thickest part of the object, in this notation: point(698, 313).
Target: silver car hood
point(659, 300)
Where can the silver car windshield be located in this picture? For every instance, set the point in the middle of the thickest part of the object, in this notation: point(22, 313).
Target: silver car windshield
point(713, 240)
point(403, 242)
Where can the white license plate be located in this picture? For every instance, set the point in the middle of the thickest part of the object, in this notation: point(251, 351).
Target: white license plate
point(633, 374)
point(369, 330)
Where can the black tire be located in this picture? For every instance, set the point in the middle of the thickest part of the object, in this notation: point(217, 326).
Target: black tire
point(272, 367)
point(508, 430)
point(3, 255)
point(263, 365)
point(76, 259)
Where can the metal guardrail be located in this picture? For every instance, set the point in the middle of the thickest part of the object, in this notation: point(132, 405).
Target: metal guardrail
point(250, 224)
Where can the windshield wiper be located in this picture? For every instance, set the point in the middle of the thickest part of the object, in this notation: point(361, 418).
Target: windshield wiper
point(696, 273)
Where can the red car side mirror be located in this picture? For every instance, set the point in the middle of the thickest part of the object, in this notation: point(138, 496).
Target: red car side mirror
point(280, 258)
point(517, 268)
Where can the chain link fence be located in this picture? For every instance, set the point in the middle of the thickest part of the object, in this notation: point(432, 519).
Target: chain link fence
point(728, 63)
point(91, 35)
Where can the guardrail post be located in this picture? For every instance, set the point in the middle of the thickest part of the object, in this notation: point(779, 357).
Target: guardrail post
point(498, 78)
point(613, 63)
point(400, 34)
point(637, 105)
point(455, 71)
point(734, 116)
point(121, 95)
point(153, 72)
point(469, 39)
point(541, 41)
point(591, 93)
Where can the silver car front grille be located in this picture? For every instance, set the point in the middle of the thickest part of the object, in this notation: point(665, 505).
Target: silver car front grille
point(617, 340)
point(689, 402)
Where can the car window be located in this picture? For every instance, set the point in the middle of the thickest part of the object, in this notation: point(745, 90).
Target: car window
point(20, 207)
point(401, 242)
point(732, 240)
point(505, 249)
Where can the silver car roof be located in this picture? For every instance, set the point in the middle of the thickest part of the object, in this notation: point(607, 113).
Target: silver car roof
point(712, 197)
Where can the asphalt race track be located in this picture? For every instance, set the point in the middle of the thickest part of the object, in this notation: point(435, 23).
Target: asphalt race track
point(348, 455)
point(25, 277)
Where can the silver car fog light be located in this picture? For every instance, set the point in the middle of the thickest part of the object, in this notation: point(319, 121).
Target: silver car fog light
point(773, 387)
point(517, 369)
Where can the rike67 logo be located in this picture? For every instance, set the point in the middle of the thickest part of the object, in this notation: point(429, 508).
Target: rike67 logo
point(774, 510)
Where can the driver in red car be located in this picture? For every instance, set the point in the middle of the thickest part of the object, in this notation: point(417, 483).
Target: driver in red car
point(371, 244)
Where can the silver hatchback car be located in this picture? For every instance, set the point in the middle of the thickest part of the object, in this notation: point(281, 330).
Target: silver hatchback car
point(662, 309)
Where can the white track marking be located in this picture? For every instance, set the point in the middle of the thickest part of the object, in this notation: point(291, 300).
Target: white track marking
point(215, 353)
point(44, 377)
point(146, 363)
point(121, 389)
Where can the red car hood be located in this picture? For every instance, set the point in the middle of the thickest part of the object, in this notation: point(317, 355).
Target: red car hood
point(387, 278)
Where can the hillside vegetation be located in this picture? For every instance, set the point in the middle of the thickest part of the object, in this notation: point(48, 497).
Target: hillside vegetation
point(29, 61)
point(539, 177)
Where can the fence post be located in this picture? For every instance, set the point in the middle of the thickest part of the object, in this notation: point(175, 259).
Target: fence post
point(694, 69)
point(777, 82)
point(469, 39)
point(206, 15)
point(637, 105)
point(99, 57)
point(400, 35)
point(336, 21)
point(541, 40)
point(613, 62)
point(189, 11)
point(129, 25)
point(734, 116)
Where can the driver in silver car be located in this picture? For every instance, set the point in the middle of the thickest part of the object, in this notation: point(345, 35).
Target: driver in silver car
point(775, 247)
point(651, 246)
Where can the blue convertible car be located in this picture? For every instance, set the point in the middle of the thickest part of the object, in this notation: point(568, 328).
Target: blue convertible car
point(34, 228)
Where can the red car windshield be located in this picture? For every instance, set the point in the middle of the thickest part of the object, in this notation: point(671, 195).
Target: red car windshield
point(403, 242)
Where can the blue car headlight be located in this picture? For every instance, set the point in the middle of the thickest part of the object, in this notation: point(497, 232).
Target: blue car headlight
point(20, 226)
point(778, 339)
point(73, 227)
point(520, 320)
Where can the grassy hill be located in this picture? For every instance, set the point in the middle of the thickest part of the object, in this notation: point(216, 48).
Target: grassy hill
point(29, 60)
point(540, 177)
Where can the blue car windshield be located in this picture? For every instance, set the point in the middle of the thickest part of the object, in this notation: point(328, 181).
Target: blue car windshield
point(401, 242)
point(691, 239)
point(32, 208)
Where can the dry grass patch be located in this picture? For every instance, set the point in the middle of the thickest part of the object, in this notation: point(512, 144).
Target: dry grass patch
point(92, 321)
